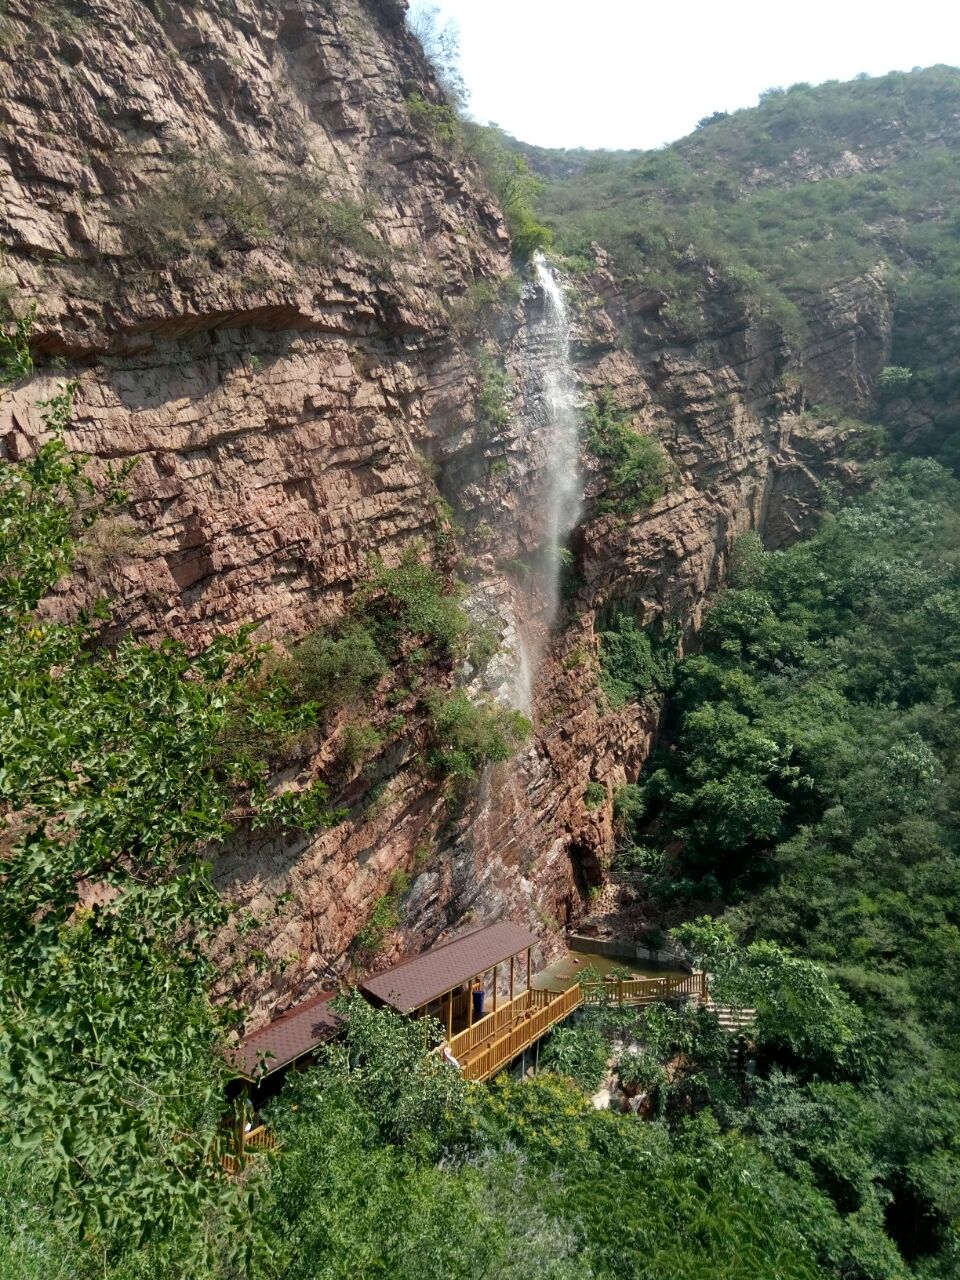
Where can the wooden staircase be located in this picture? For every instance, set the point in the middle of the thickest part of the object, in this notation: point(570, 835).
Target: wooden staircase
point(496, 1040)
point(731, 1019)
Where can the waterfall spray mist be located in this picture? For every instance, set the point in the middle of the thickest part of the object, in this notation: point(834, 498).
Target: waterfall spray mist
point(563, 497)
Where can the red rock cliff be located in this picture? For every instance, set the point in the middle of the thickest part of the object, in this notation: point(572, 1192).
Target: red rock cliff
point(249, 252)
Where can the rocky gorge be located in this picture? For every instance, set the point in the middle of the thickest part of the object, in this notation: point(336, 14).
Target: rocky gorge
point(281, 291)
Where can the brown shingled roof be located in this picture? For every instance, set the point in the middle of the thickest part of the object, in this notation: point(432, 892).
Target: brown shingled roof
point(290, 1036)
point(416, 982)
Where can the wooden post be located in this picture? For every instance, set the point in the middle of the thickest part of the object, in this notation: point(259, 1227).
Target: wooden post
point(496, 968)
point(470, 1002)
point(528, 968)
point(511, 977)
point(619, 991)
point(449, 1015)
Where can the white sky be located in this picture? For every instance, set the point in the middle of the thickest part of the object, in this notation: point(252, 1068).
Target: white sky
point(629, 73)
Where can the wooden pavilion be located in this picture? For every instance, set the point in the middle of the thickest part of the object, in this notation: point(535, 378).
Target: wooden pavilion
point(440, 981)
point(496, 960)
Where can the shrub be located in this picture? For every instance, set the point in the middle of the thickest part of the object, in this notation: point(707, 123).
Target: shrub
point(436, 119)
point(334, 666)
point(894, 378)
point(493, 411)
point(360, 742)
point(631, 663)
point(469, 312)
point(210, 201)
point(636, 466)
point(385, 916)
point(465, 737)
point(483, 646)
point(628, 805)
point(16, 362)
point(641, 1073)
point(510, 179)
point(410, 603)
point(578, 1052)
point(595, 795)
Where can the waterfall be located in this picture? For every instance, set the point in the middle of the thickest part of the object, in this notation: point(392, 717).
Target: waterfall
point(563, 495)
point(551, 427)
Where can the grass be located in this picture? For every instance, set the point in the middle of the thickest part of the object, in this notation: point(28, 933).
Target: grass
point(209, 202)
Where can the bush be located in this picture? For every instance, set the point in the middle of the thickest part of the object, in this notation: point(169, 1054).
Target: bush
point(16, 362)
point(436, 119)
point(385, 916)
point(210, 201)
point(595, 795)
point(515, 187)
point(631, 664)
point(334, 666)
point(409, 604)
point(493, 410)
point(465, 737)
point(360, 742)
point(894, 378)
point(641, 1073)
point(636, 465)
point(578, 1052)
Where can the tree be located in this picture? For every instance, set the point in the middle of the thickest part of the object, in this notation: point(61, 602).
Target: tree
point(800, 1013)
point(113, 786)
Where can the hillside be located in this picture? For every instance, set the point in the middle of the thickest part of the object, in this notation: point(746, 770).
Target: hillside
point(834, 206)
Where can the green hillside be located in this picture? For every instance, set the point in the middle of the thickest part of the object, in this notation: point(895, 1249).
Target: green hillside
point(812, 189)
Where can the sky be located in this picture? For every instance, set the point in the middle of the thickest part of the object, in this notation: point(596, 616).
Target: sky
point(628, 73)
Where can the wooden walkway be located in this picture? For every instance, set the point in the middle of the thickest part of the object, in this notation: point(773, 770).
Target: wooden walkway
point(497, 1039)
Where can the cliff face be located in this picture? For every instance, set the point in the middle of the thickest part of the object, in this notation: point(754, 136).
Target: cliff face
point(256, 260)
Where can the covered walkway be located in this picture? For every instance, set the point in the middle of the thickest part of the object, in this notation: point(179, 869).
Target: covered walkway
point(485, 1034)
point(459, 982)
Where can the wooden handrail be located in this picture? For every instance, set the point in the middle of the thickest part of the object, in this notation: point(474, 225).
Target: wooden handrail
point(646, 990)
point(500, 1037)
point(461, 1044)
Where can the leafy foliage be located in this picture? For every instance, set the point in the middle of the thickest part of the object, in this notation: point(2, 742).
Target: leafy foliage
point(212, 202)
point(732, 196)
point(112, 787)
point(465, 736)
point(636, 466)
point(385, 916)
point(409, 605)
point(595, 795)
point(16, 362)
point(578, 1052)
point(493, 411)
point(634, 663)
point(335, 666)
point(810, 785)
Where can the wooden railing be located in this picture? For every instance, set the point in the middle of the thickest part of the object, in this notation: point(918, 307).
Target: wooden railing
point(636, 991)
point(542, 1010)
point(258, 1139)
point(497, 1039)
point(484, 1028)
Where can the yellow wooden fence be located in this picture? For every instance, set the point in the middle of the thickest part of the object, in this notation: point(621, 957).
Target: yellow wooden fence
point(639, 991)
point(497, 1039)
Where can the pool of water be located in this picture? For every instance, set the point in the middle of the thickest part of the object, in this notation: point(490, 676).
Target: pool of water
point(563, 972)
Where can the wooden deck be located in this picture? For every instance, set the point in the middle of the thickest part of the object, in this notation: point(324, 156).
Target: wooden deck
point(494, 1041)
